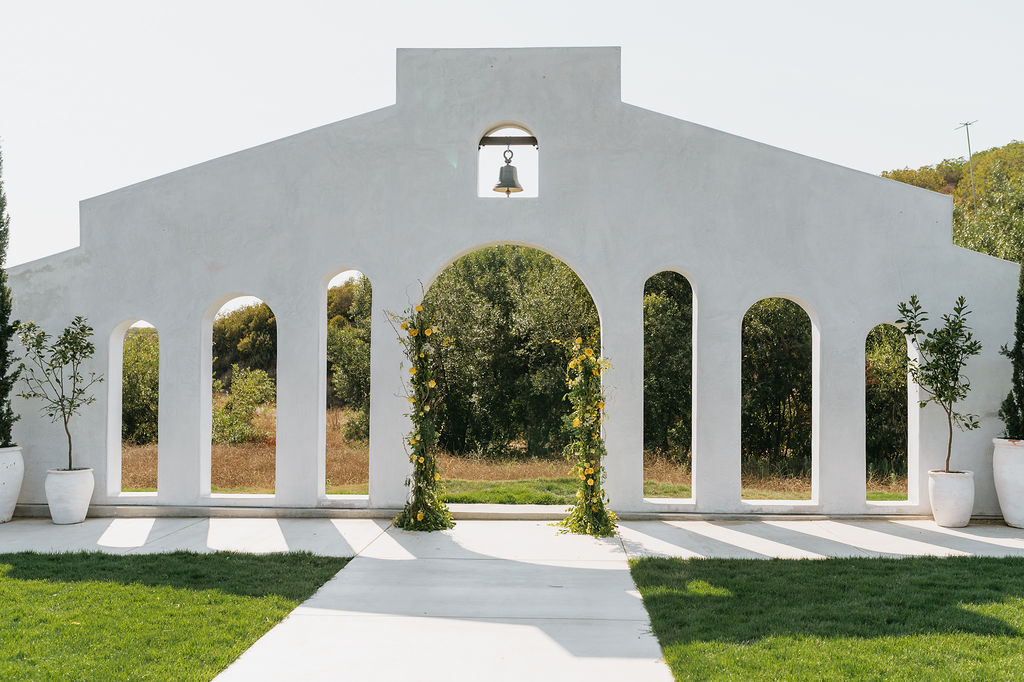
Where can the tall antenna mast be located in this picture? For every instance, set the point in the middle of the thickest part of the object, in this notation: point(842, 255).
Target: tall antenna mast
point(970, 160)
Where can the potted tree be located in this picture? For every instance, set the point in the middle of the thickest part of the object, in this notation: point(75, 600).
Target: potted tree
point(1008, 453)
point(938, 371)
point(12, 465)
point(54, 375)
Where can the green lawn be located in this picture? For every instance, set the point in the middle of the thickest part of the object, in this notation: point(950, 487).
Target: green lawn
point(866, 619)
point(179, 616)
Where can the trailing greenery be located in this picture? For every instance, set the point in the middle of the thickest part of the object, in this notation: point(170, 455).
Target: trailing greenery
point(425, 509)
point(233, 419)
point(54, 372)
point(956, 618)
point(8, 370)
point(1012, 409)
point(140, 386)
point(179, 616)
point(589, 514)
point(942, 354)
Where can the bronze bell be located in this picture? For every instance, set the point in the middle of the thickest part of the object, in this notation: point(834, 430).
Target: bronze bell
point(508, 182)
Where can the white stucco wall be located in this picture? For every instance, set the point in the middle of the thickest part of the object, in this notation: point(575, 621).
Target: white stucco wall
point(625, 193)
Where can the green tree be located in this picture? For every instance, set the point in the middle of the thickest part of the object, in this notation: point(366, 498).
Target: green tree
point(246, 337)
point(348, 357)
point(140, 386)
point(776, 386)
point(997, 228)
point(885, 393)
point(8, 371)
point(501, 379)
point(251, 389)
point(668, 359)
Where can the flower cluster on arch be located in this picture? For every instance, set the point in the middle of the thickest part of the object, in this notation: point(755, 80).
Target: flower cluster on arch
point(589, 514)
point(424, 509)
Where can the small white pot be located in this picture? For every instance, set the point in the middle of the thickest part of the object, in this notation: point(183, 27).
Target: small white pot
point(952, 497)
point(1008, 471)
point(68, 494)
point(12, 471)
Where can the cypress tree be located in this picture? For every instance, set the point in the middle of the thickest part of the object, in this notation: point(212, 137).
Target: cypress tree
point(1012, 410)
point(8, 371)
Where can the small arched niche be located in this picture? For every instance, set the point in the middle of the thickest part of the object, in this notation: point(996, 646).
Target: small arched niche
point(885, 403)
point(668, 386)
point(777, 412)
point(136, 390)
point(243, 430)
point(347, 380)
point(494, 147)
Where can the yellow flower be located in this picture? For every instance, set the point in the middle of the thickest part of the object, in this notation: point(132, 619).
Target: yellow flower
point(412, 370)
point(589, 470)
point(437, 477)
point(414, 331)
point(421, 460)
point(421, 355)
point(426, 408)
point(419, 308)
point(597, 373)
point(411, 399)
point(576, 421)
point(428, 331)
point(579, 340)
point(588, 351)
point(579, 493)
point(600, 405)
point(590, 481)
point(431, 383)
point(412, 441)
point(405, 325)
point(419, 516)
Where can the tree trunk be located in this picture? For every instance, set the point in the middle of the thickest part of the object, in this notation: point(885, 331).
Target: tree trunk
point(68, 432)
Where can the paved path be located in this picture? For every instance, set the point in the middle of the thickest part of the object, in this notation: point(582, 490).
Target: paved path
point(489, 600)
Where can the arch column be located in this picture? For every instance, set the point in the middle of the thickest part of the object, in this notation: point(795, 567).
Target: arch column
point(838, 407)
point(717, 403)
point(389, 465)
point(184, 411)
point(622, 342)
point(301, 396)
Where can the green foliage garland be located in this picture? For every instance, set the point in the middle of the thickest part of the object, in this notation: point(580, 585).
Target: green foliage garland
point(424, 509)
point(590, 514)
point(1012, 409)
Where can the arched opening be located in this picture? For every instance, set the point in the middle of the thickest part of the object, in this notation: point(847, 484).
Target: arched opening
point(885, 401)
point(244, 398)
point(668, 386)
point(139, 401)
point(502, 378)
point(777, 417)
point(508, 143)
point(349, 298)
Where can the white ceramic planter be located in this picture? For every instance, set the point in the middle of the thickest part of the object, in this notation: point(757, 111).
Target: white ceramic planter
point(951, 496)
point(1008, 472)
point(68, 494)
point(12, 471)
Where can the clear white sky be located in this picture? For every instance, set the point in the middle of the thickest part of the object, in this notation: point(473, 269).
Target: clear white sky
point(97, 95)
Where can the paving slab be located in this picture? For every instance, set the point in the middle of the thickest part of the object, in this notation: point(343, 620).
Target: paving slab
point(488, 600)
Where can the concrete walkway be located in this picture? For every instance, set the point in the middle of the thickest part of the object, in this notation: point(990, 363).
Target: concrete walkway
point(490, 600)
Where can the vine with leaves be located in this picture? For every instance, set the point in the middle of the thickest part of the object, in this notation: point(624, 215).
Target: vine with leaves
point(590, 514)
point(425, 509)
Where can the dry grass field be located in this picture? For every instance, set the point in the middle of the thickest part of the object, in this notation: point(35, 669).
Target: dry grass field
point(249, 468)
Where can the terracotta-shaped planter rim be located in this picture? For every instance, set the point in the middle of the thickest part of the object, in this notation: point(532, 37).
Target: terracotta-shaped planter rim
point(1013, 442)
point(965, 472)
point(68, 471)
